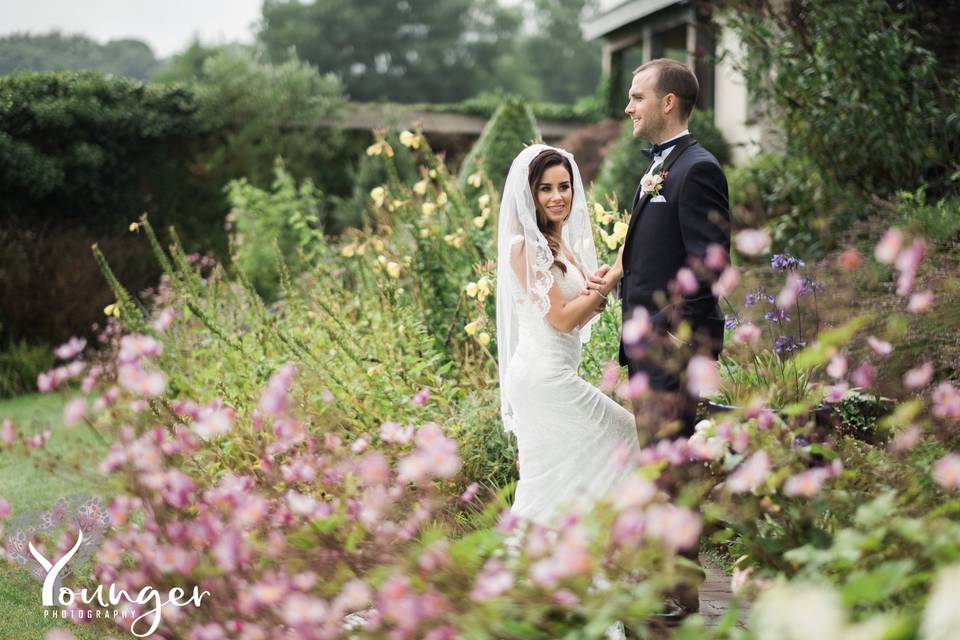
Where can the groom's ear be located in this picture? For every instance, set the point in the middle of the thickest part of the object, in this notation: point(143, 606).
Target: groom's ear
point(670, 102)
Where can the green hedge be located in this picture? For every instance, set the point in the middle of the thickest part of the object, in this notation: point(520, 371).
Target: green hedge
point(510, 129)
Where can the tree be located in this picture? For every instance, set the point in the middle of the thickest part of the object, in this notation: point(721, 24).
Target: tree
point(556, 54)
point(55, 51)
point(401, 50)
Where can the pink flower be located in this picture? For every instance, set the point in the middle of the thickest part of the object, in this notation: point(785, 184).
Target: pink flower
point(946, 401)
point(687, 281)
point(905, 440)
point(637, 327)
point(74, 411)
point(565, 598)
point(746, 333)
point(716, 258)
point(299, 609)
point(38, 440)
point(142, 382)
point(634, 491)
point(727, 282)
point(354, 595)
point(920, 302)
point(610, 377)
point(807, 483)
point(374, 469)
point(864, 376)
point(275, 399)
point(301, 504)
point(163, 321)
point(751, 474)
point(8, 432)
point(791, 290)
point(703, 376)
point(628, 528)
point(420, 398)
point(178, 489)
point(492, 581)
point(837, 367)
point(918, 376)
point(678, 528)
point(208, 631)
point(46, 382)
point(135, 347)
point(214, 421)
point(70, 349)
point(229, 550)
point(836, 393)
point(752, 242)
point(5, 509)
point(946, 471)
point(635, 387)
point(739, 579)
point(445, 632)
point(882, 347)
point(470, 493)
point(889, 246)
point(59, 634)
point(393, 432)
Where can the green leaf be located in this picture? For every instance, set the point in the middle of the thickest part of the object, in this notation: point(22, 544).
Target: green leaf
point(874, 587)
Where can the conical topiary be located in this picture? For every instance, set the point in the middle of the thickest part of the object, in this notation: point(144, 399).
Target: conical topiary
point(510, 129)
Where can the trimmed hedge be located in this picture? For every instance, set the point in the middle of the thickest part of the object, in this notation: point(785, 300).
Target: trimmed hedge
point(510, 129)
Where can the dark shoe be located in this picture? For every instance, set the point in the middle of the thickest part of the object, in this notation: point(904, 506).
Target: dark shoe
point(674, 612)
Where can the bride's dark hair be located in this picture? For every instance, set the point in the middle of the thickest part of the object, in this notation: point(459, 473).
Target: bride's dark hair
point(550, 230)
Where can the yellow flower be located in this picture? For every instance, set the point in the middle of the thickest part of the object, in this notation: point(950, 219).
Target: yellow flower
point(425, 232)
point(479, 221)
point(382, 259)
point(607, 218)
point(475, 180)
point(387, 149)
point(442, 199)
point(420, 187)
point(397, 204)
point(612, 242)
point(393, 269)
point(112, 310)
point(483, 288)
point(598, 211)
point(134, 227)
point(484, 200)
point(484, 338)
point(432, 173)
point(428, 208)
point(454, 240)
point(620, 230)
point(471, 289)
point(362, 249)
point(472, 328)
point(349, 250)
point(375, 149)
point(407, 260)
point(377, 244)
point(378, 194)
point(409, 139)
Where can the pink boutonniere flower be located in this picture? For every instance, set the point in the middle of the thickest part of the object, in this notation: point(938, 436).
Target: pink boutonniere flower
point(652, 183)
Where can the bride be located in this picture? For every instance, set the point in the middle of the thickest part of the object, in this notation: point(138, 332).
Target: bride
point(574, 442)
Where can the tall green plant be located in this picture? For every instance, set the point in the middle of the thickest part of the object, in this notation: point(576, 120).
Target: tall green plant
point(511, 128)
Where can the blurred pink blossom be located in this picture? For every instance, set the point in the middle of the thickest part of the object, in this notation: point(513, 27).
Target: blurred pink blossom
point(905, 440)
point(750, 474)
point(134, 347)
point(703, 376)
point(420, 397)
point(920, 302)
point(808, 483)
point(71, 348)
point(881, 347)
point(492, 581)
point(8, 432)
point(635, 387)
point(393, 432)
point(163, 320)
point(889, 246)
point(946, 401)
point(470, 493)
point(275, 399)
point(5, 509)
point(687, 281)
point(752, 242)
point(634, 491)
point(74, 410)
point(918, 376)
point(610, 377)
point(677, 527)
point(864, 376)
point(637, 327)
point(946, 471)
point(142, 382)
point(727, 282)
point(747, 333)
point(837, 367)
point(791, 290)
point(716, 258)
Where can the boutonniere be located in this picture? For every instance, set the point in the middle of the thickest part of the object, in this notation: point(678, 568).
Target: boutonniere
point(652, 183)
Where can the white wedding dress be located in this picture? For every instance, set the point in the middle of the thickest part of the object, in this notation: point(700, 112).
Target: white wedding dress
point(575, 443)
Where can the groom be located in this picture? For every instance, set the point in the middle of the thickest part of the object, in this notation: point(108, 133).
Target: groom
point(680, 209)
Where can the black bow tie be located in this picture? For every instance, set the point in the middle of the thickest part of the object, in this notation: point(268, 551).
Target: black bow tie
point(657, 149)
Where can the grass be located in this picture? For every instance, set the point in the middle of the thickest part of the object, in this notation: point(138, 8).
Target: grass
point(36, 484)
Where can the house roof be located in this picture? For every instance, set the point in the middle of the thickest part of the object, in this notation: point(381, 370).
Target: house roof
point(615, 14)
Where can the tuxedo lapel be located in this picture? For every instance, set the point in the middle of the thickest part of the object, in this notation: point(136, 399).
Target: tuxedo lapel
point(642, 197)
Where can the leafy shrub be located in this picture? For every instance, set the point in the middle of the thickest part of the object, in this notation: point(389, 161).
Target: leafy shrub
point(270, 226)
point(622, 168)
point(20, 364)
point(854, 89)
point(510, 129)
point(786, 194)
point(938, 220)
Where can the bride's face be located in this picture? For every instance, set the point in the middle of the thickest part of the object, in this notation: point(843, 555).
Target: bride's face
point(555, 193)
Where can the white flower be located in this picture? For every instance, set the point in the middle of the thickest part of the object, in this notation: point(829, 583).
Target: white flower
point(753, 242)
point(941, 617)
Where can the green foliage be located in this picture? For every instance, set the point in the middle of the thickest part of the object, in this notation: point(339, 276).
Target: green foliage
point(82, 148)
point(854, 89)
point(282, 223)
point(486, 104)
point(57, 52)
point(624, 164)
point(20, 363)
point(402, 51)
point(510, 129)
point(938, 221)
point(789, 196)
point(187, 66)
point(257, 111)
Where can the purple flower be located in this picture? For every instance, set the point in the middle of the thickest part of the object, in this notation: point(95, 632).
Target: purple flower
point(756, 296)
point(788, 344)
point(732, 322)
point(808, 285)
point(777, 315)
point(785, 262)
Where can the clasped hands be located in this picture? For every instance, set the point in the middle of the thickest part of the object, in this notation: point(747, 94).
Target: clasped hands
point(604, 279)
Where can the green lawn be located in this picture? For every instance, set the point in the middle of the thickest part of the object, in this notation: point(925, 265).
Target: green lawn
point(27, 485)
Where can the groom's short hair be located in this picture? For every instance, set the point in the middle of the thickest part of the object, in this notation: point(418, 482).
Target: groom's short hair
point(676, 78)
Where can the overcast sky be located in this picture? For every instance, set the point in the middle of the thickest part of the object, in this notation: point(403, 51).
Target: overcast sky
point(166, 25)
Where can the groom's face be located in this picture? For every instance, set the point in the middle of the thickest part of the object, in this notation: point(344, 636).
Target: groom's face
point(645, 108)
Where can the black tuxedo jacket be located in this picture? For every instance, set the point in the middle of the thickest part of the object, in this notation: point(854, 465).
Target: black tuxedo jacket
point(664, 236)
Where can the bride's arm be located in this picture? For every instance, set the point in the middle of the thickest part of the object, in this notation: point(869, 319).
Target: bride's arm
point(566, 315)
